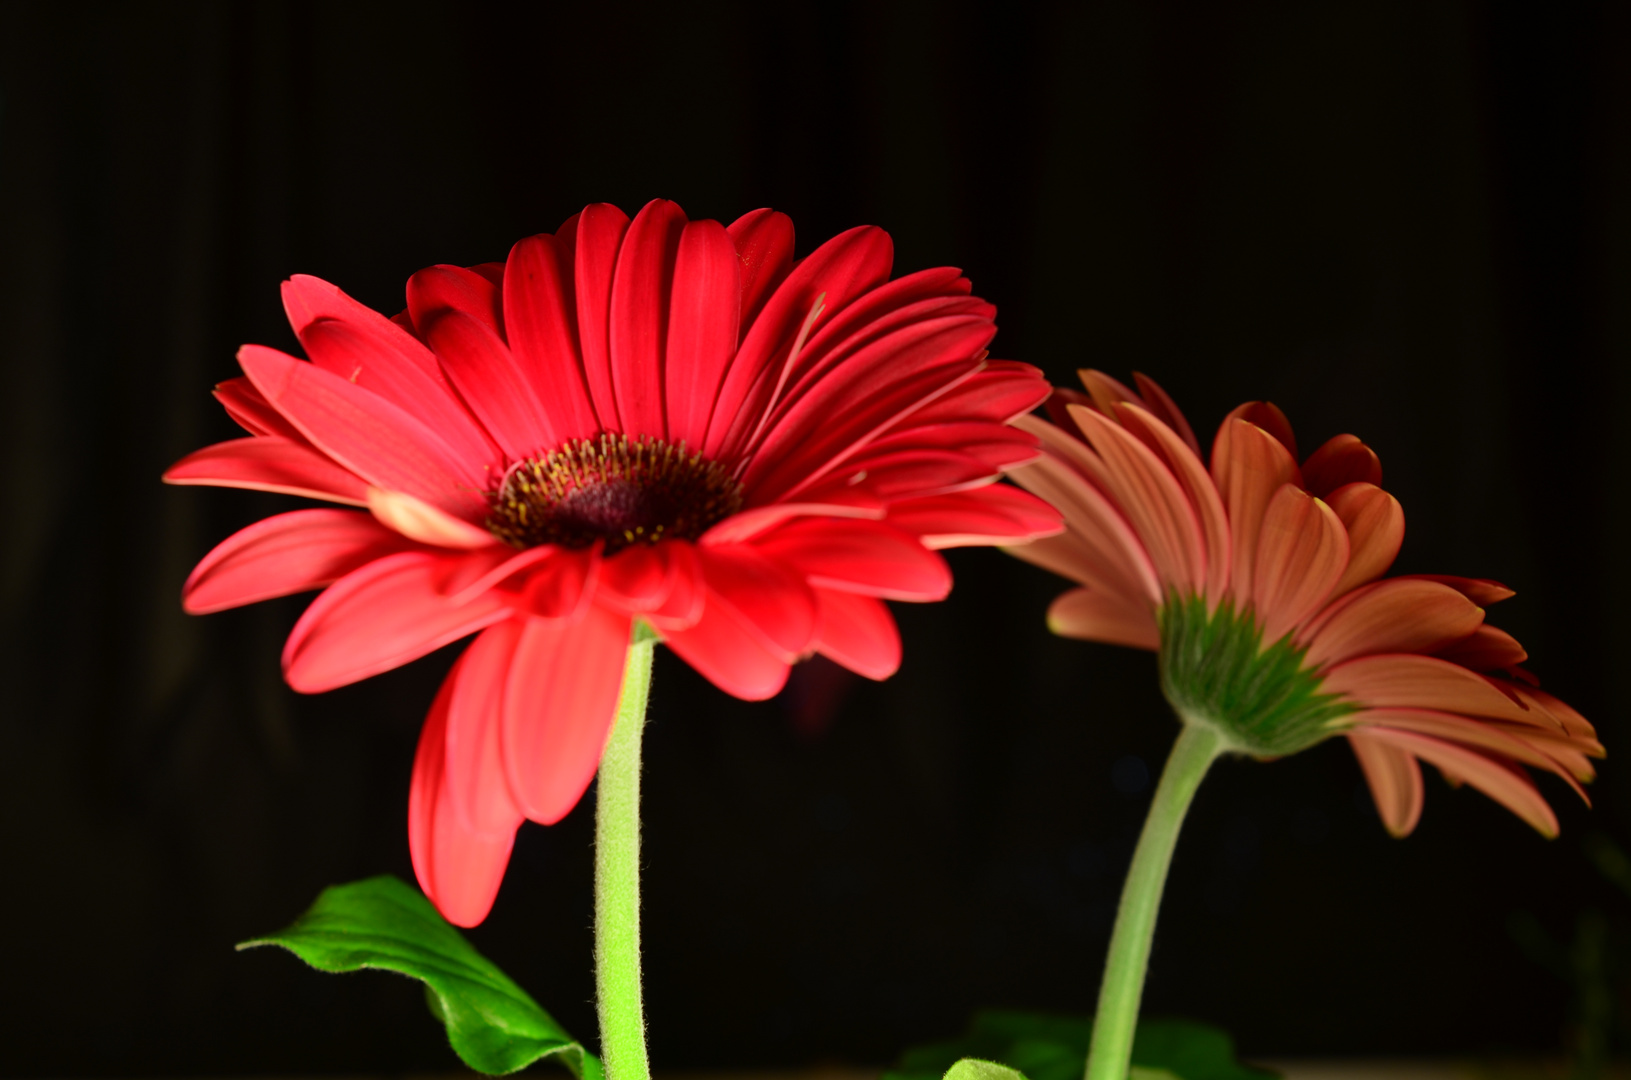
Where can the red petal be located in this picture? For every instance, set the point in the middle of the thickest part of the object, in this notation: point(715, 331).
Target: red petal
point(600, 231)
point(1341, 461)
point(1301, 554)
point(702, 328)
point(844, 267)
point(770, 598)
point(270, 463)
point(380, 617)
point(493, 383)
point(1105, 552)
point(763, 240)
point(459, 870)
point(859, 556)
point(729, 655)
point(1163, 408)
point(858, 632)
point(1100, 616)
point(561, 587)
point(437, 290)
point(1375, 524)
point(639, 578)
point(750, 523)
point(307, 299)
point(559, 704)
point(997, 446)
point(1002, 391)
point(1394, 779)
point(640, 315)
point(475, 732)
point(342, 351)
point(1267, 416)
point(286, 554)
point(995, 514)
point(252, 411)
point(367, 434)
point(540, 314)
point(1397, 616)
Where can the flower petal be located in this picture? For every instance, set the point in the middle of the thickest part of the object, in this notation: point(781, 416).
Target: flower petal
point(1268, 417)
point(494, 385)
point(995, 514)
point(770, 598)
point(379, 617)
point(1424, 682)
point(475, 775)
point(1394, 779)
point(639, 578)
point(437, 290)
point(1397, 616)
point(562, 587)
point(857, 632)
point(540, 320)
point(599, 234)
point(252, 411)
point(1000, 392)
point(640, 315)
point(307, 299)
point(763, 240)
point(1502, 782)
point(286, 554)
point(1248, 465)
point(730, 655)
point(1343, 460)
point(1185, 465)
point(1094, 615)
point(1481, 591)
point(702, 328)
point(1492, 736)
point(367, 434)
point(559, 704)
point(270, 463)
point(1107, 554)
point(1301, 553)
point(1488, 648)
point(458, 869)
point(865, 557)
point(1375, 524)
point(418, 520)
point(1164, 409)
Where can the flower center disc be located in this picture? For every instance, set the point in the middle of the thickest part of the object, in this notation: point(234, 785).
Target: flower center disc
point(620, 490)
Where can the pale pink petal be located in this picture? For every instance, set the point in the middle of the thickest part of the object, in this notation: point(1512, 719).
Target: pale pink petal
point(1104, 543)
point(379, 617)
point(1185, 466)
point(418, 520)
point(1502, 782)
point(1493, 736)
point(559, 704)
point(286, 554)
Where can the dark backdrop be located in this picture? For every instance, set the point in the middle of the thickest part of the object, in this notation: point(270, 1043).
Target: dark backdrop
point(1407, 220)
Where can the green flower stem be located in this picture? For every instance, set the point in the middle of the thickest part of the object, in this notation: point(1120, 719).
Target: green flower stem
point(1111, 1053)
point(617, 875)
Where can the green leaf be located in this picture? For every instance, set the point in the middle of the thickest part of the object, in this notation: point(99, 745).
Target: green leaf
point(975, 1069)
point(383, 923)
point(1044, 1047)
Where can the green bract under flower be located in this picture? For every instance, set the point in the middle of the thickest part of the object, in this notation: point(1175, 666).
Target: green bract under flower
point(1216, 671)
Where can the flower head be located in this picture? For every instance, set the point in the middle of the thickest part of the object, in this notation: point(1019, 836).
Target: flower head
point(659, 420)
point(1259, 583)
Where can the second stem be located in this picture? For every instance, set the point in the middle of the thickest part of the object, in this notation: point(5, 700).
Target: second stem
point(617, 876)
point(1123, 987)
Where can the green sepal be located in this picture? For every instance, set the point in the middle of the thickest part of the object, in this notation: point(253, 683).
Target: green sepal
point(1044, 1047)
point(492, 1024)
point(1216, 670)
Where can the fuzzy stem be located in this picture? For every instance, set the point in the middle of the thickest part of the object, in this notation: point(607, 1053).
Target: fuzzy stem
point(617, 875)
point(1124, 968)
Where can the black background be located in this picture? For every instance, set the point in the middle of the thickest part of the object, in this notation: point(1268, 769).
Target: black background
point(1406, 220)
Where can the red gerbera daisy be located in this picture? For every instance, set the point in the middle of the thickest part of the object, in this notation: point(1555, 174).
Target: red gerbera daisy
point(660, 421)
point(1257, 582)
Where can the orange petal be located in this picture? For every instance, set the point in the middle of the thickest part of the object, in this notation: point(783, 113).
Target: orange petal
point(1375, 524)
point(1481, 591)
point(1397, 616)
point(1152, 500)
point(1095, 525)
point(1248, 466)
point(1343, 460)
point(1301, 553)
point(1267, 416)
point(1465, 731)
point(1506, 784)
point(1426, 682)
point(1098, 616)
point(1487, 649)
point(1166, 410)
point(1394, 779)
point(1185, 465)
point(1107, 392)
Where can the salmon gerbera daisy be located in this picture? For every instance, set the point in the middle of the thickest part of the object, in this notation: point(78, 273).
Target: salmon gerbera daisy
point(1259, 582)
point(653, 426)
